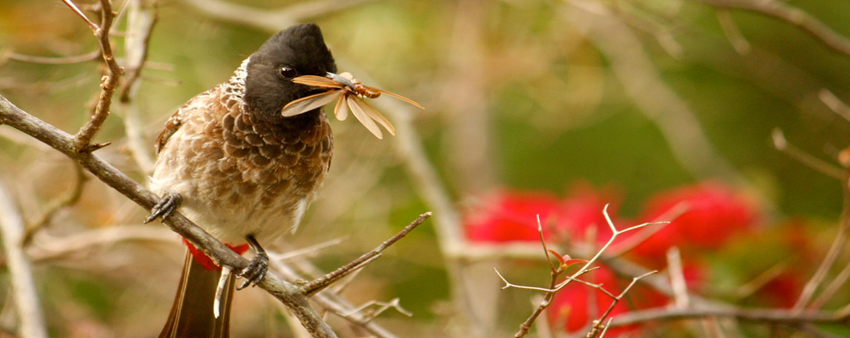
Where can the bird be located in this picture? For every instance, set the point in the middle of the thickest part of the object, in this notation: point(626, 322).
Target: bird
point(233, 164)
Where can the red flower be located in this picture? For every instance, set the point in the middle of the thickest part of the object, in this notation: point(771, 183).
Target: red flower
point(509, 216)
point(715, 213)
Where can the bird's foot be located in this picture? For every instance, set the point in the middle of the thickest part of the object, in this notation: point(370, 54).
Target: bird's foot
point(165, 207)
point(256, 270)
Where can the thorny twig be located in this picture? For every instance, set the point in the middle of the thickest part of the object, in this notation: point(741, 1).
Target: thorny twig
point(555, 273)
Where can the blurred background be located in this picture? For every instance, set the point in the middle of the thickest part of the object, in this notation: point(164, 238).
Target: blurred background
point(624, 101)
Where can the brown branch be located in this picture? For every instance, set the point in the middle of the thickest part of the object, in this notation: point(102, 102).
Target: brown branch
point(83, 138)
point(821, 166)
point(68, 199)
point(791, 15)
point(291, 295)
point(831, 255)
point(320, 283)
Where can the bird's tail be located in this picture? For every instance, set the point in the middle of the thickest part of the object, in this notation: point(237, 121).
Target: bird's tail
point(192, 313)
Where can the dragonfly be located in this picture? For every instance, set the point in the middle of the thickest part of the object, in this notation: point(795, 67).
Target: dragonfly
point(350, 94)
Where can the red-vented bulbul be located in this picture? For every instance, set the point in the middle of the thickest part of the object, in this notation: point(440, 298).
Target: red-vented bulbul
point(229, 161)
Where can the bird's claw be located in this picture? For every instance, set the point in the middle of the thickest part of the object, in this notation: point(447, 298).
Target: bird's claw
point(165, 207)
point(255, 271)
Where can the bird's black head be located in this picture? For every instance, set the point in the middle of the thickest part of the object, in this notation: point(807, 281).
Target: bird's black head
point(298, 50)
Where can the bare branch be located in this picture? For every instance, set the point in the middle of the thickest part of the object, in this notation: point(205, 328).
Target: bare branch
point(382, 306)
point(323, 282)
point(792, 15)
point(821, 166)
point(677, 278)
point(143, 16)
point(834, 103)
point(733, 33)
point(109, 82)
point(23, 284)
point(82, 15)
point(54, 60)
point(68, 199)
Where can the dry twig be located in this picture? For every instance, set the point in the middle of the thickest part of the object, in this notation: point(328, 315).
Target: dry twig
point(83, 137)
point(792, 15)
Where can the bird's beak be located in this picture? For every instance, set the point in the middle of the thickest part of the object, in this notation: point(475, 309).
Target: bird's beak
point(340, 79)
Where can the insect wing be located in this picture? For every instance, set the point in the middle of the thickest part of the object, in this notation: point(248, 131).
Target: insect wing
point(395, 96)
point(377, 116)
point(361, 115)
point(317, 81)
point(309, 103)
point(341, 109)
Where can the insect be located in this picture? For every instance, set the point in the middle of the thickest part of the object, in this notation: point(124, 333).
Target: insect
point(350, 93)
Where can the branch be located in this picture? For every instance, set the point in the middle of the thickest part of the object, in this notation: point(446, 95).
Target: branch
point(70, 198)
point(143, 16)
point(821, 166)
point(791, 15)
point(23, 284)
point(83, 138)
point(270, 20)
point(53, 60)
point(323, 282)
point(291, 295)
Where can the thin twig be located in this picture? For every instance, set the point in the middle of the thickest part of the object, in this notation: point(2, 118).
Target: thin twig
point(382, 306)
point(821, 166)
point(831, 256)
point(677, 278)
point(834, 103)
point(322, 282)
point(829, 292)
point(733, 33)
point(54, 60)
point(82, 15)
point(792, 15)
point(641, 236)
point(143, 16)
point(68, 199)
point(24, 292)
point(109, 82)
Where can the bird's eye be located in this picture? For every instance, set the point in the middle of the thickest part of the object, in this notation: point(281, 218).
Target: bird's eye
point(288, 72)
